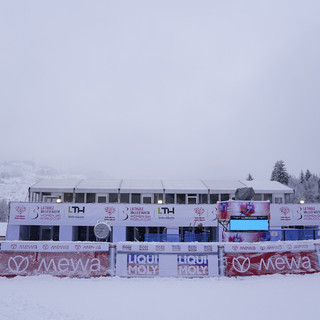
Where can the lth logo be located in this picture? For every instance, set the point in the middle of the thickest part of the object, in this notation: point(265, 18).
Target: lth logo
point(166, 210)
point(76, 210)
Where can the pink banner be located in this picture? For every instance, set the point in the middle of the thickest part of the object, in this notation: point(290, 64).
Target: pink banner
point(243, 208)
point(61, 264)
point(255, 264)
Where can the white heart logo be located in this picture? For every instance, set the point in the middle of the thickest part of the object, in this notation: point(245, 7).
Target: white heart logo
point(18, 264)
point(241, 264)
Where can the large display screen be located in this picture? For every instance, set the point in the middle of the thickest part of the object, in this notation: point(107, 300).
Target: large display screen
point(238, 224)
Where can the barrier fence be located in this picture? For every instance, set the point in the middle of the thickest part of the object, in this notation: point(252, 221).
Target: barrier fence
point(157, 259)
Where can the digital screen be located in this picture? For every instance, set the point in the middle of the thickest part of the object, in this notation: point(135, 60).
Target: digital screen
point(249, 225)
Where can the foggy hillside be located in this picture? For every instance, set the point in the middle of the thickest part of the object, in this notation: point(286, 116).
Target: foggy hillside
point(17, 176)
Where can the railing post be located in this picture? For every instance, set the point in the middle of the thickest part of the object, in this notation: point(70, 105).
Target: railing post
point(112, 259)
point(221, 262)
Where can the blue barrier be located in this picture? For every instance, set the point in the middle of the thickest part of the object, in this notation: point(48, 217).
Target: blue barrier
point(159, 237)
point(196, 237)
point(276, 235)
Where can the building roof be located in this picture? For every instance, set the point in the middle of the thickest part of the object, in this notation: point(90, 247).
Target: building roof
point(223, 186)
point(157, 186)
point(267, 186)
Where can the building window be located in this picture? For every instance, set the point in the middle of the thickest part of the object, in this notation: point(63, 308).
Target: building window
point(124, 198)
point(192, 198)
point(113, 197)
point(68, 197)
point(214, 198)
point(278, 200)
point(158, 198)
point(44, 233)
point(181, 198)
point(257, 197)
point(146, 199)
point(85, 233)
point(267, 196)
point(225, 197)
point(135, 198)
point(79, 197)
point(102, 199)
point(169, 198)
point(203, 198)
point(91, 197)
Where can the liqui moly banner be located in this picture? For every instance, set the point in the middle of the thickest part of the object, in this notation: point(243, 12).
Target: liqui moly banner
point(62, 264)
point(255, 264)
point(167, 260)
point(294, 214)
point(83, 214)
point(227, 209)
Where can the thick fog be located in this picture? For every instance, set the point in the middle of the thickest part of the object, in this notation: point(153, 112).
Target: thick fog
point(161, 89)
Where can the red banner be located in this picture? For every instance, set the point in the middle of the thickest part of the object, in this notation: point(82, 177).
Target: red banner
point(255, 264)
point(61, 264)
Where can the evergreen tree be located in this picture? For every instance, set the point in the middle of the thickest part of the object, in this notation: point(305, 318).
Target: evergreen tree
point(301, 177)
point(280, 173)
point(308, 175)
point(249, 177)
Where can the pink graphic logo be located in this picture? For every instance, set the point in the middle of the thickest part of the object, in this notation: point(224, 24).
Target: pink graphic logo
point(18, 264)
point(199, 211)
point(13, 246)
point(241, 264)
point(45, 247)
point(78, 246)
point(285, 211)
point(109, 210)
point(21, 209)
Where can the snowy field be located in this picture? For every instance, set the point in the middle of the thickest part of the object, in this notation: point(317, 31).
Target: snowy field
point(265, 297)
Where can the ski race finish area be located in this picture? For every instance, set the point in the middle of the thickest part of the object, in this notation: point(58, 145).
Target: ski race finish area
point(136, 259)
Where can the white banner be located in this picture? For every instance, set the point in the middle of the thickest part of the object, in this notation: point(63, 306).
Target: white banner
point(76, 214)
point(166, 260)
point(53, 246)
point(295, 215)
point(269, 246)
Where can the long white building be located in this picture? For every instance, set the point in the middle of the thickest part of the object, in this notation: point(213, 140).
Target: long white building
point(142, 210)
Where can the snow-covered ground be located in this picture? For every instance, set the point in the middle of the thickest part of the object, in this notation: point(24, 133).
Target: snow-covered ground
point(265, 297)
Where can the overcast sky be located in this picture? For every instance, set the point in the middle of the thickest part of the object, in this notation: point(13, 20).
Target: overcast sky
point(161, 89)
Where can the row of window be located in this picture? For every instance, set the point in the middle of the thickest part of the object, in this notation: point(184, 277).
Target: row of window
point(156, 198)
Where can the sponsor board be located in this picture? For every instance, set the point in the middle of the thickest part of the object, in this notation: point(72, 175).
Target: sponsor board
point(255, 264)
point(84, 214)
point(276, 246)
point(190, 265)
point(53, 246)
point(66, 264)
point(142, 264)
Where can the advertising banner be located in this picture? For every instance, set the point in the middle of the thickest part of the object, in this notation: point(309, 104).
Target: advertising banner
point(53, 246)
point(295, 215)
point(264, 263)
point(242, 208)
point(167, 260)
point(79, 214)
point(245, 236)
point(62, 264)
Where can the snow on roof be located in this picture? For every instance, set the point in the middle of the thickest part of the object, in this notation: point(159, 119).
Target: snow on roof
point(191, 186)
point(112, 185)
point(3, 229)
point(143, 186)
point(220, 186)
point(157, 186)
point(55, 184)
point(267, 186)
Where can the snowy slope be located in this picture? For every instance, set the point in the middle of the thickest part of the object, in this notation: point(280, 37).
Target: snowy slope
point(266, 297)
point(17, 176)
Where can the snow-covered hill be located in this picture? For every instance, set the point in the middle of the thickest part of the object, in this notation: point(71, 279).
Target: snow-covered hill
point(17, 176)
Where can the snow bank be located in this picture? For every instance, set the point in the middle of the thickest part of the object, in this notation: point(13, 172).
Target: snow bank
point(266, 297)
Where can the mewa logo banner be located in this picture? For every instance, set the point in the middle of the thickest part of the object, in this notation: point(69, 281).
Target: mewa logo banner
point(255, 264)
point(63, 264)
